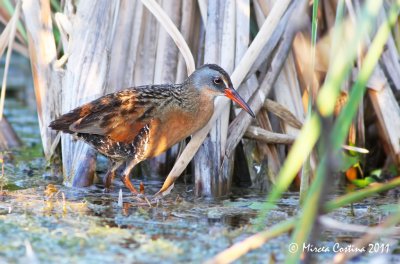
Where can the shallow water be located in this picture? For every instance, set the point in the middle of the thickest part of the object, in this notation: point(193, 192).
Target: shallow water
point(57, 224)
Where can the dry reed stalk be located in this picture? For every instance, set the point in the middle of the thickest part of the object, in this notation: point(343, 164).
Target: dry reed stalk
point(5, 36)
point(206, 160)
point(268, 151)
point(333, 224)
point(46, 78)
point(232, 32)
point(165, 72)
point(258, 12)
point(64, 26)
point(265, 5)
point(390, 56)
point(253, 242)
point(196, 39)
point(268, 137)
point(302, 50)
point(357, 129)
point(283, 113)
point(264, 57)
point(228, 41)
point(396, 36)
point(258, 43)
point(387, 110)
point(189, 28)
point(8, 40)
point(167, 52)
point(21, 49)
point(5, 17)
point(2, 175)
point(294, 101)
point(8, 137)
point(126, 65)
point(172, 31)
point(324, 52)
point(329, 12)
point(203, 10)
point(165, 55)
point(241, 45)
point(124, 53)
point(324, 49)
point(246, 90)
point(146, 52)
point(383, 100)
point(85, 78)
point(144, 69)
point(287, 93)
point(237, 77)
point(238, 127)
point(385, 228)
point(186, 28)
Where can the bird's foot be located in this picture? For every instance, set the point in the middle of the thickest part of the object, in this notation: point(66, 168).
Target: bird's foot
point(108, 179)
point(107, 190)
point(129, 185)
point(142, 198)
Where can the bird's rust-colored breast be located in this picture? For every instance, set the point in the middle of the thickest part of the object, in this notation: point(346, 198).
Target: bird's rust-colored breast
point(167, 132)
point(175, 126)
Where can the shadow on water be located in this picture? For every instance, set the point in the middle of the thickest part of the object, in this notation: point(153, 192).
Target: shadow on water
point(66, 225)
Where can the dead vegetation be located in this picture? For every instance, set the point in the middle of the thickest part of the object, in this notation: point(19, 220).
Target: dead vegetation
point(103, 47)
point(328, 77)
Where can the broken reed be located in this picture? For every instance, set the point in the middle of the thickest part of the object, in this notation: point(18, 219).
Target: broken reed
point(314, 128)
point(2, 175)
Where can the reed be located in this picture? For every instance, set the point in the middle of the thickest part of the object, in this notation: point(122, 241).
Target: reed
point(309, 83)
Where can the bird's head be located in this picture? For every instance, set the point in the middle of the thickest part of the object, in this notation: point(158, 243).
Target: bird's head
point(215, 81)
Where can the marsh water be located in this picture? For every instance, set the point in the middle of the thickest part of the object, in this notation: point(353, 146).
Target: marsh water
point(42, 221)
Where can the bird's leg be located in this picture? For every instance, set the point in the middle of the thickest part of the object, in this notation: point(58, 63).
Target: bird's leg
point(125, 177)
point(109, 177)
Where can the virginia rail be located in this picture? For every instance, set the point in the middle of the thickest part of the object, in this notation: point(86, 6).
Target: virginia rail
point(134, 124)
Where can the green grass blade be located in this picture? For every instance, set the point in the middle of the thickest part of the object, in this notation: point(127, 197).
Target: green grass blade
point(10, 9)
point(344, 120)
point(308, 216)
point(300, 150)
point(341, 126)
point(360, 195)
point(329, 92)
point(346, 54)
point(306, 168)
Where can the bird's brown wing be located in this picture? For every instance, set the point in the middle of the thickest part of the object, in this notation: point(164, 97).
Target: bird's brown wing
point(119, 116)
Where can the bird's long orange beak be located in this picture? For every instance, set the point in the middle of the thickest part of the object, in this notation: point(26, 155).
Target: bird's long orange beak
point(233, 95)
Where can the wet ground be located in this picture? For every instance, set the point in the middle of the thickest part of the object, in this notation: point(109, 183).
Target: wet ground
point(43, 222)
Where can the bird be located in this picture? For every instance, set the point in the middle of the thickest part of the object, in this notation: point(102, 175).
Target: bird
point(141, 122)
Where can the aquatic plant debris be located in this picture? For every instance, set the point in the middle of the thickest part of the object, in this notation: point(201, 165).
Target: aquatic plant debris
point(45, 221)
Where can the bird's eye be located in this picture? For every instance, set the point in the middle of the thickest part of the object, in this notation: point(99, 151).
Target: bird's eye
point(217, 81)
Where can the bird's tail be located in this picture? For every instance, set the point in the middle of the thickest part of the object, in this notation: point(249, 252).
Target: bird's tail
point(64, 122)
